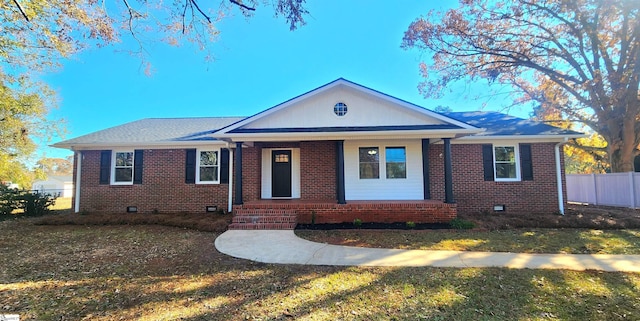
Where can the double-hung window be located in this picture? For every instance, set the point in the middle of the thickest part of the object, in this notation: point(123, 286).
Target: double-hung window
point(122, 173)
point(506, 164)
point(208, 167)
point(396, 158)
point(369, 162)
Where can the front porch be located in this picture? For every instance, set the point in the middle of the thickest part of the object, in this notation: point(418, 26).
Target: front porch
point(286, 214)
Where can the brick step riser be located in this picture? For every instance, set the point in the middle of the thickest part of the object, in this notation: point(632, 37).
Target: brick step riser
point(263, 226)
point(264, 219)
point(264, 213)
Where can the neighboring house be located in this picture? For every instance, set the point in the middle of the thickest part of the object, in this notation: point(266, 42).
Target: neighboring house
point(339, 152)
point(57, 185)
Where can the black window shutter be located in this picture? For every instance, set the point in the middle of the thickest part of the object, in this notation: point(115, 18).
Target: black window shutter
point(224, 166)
point(190, 167)
point(137, 166)
point(487, 161)
point(526, 163)
point(105, 166)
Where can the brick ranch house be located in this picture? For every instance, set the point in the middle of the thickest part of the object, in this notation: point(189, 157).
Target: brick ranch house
point(336, 153)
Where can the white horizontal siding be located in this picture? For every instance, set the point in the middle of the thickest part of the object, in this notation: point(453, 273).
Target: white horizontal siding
point(363, 110)
point(410, 188)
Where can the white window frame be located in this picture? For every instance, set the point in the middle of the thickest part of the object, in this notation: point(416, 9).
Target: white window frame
point(517, 161)
point(382, 161)
point(198, 151)
point(113, 166)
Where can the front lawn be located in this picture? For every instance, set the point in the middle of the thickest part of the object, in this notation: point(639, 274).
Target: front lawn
point(167, 273)
point(582, 230)
point(574, 241)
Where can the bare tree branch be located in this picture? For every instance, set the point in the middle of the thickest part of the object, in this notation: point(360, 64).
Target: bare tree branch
point(24, 14)
point(242, 5)
point(199, 10)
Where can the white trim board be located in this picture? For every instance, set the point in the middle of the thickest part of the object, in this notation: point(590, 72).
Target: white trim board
point(265, 180)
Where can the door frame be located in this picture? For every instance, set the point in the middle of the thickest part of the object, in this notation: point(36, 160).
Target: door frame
point(266, 178)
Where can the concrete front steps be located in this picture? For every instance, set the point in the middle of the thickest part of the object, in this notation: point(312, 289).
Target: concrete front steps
point(263, 219)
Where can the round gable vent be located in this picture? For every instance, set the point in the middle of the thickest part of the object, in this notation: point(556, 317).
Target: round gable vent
point(340, 109)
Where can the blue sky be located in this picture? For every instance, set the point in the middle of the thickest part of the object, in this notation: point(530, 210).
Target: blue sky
point(257, 64)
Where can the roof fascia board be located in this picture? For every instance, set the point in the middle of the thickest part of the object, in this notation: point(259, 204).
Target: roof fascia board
point(496, 137)
point(172, 145)
point(512, 139)
point(437, 133)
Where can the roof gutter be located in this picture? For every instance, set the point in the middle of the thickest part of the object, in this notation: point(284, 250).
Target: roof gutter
point(559, 176)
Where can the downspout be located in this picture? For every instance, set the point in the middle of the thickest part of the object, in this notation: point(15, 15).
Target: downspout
point(230, 201)
point(559, 176)
point(77, 184)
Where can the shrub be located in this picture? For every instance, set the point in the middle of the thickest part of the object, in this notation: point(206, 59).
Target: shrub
point(8, 200)
point(31, 203)
point(411, 225)
point(357, 222)
point(460, 224)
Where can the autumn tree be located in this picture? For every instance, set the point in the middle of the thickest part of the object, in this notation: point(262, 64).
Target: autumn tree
point(36, 34)
point(580, 58)
point(56, 166)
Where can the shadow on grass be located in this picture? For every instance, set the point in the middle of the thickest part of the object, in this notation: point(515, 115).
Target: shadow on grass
point(153, 272)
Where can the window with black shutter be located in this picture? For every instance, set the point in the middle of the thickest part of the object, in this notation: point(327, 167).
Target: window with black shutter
point(190, 167)
point(526, 162)
point(105, 167)
point(487, 161)
point(137, 166)
point(224, 166)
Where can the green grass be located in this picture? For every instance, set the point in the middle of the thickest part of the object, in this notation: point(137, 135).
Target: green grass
point(163, 273)
point(575, 241)
point(62, 204)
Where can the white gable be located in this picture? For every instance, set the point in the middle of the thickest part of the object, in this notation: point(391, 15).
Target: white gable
point(363, 110)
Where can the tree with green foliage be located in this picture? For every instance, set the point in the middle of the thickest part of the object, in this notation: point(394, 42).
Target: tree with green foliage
point(580, 58)
point(23, 118)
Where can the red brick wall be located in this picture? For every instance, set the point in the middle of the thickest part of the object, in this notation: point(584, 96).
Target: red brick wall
point(474, 195)
point(163, 187)
point(251, 173)
point(384, 212)
point(318, 170)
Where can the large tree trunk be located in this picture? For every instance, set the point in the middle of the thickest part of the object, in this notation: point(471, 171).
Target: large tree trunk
point(622, 149)
point(620, 162)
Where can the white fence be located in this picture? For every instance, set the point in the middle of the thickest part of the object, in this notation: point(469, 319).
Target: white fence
point(615, 189)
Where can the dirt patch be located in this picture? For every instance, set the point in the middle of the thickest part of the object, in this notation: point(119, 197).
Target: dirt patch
point(576, 216)
point(206, 222)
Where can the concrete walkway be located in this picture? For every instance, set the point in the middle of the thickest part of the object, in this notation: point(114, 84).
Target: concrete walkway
point(284, 247)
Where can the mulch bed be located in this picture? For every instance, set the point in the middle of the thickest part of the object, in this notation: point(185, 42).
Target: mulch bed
point(371, 226)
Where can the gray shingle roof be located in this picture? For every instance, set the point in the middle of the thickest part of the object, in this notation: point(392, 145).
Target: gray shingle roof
point(154, 131)
point(498, 124)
